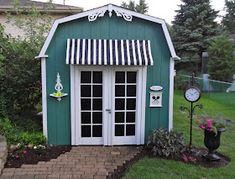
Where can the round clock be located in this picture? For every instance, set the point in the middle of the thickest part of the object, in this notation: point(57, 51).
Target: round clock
point(192, 94)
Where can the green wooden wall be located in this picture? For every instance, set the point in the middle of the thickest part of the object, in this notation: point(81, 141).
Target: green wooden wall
point(58, 113)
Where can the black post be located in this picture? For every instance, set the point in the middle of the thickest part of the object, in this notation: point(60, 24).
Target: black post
point(191, 125)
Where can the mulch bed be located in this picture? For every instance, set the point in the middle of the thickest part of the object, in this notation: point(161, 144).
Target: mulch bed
point(27, 155)
point(196, 157)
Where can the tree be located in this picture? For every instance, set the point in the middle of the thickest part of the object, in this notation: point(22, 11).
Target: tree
point(20, 89)
point(193, 27)
point(221, 64)
point(228, 20)
point(142, 7)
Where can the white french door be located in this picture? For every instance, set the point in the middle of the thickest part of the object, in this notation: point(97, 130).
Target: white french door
point(109, 105)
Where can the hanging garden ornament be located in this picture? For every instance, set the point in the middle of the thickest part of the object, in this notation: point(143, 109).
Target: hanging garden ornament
point(58, 87)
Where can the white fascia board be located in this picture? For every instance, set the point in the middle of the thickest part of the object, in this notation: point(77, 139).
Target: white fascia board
point(171, 93)
point(44, 96)
point(106, 8)
point(40, 57)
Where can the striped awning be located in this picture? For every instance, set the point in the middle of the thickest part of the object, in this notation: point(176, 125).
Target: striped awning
point(108, 52)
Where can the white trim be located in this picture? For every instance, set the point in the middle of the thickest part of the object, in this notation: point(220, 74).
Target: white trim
point(73, 109)
point(171, 94)
point(143, 119)
point(44, 96)
point(39, 57)
point(105, 8)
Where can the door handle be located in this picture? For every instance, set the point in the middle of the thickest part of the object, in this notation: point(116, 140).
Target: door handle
point(108, 110)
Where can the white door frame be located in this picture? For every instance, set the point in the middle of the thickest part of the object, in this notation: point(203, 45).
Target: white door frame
point(107, 118)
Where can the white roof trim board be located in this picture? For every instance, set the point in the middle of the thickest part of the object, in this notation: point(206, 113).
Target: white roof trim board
point(125, 13)
point(108, 52)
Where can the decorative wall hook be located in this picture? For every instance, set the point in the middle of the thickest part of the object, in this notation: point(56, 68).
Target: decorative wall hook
point(58, 87)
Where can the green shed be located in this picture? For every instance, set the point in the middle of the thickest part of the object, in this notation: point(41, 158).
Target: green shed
point(107, 78)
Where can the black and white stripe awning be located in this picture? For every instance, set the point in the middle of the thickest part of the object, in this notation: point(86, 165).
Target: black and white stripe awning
point(108, 52)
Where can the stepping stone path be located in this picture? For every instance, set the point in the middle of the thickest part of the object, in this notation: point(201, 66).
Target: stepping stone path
point(86, 162)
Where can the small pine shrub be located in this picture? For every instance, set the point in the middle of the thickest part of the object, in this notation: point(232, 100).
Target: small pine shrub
point(165, 143)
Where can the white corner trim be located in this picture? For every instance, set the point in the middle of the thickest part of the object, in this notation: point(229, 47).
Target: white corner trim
point(39, 57)
point(125, 13)
point(143, 118)
point(171, 93)
point(73, 109)
point(44, 96)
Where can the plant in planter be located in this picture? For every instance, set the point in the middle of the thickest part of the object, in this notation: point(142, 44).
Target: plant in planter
point(212, 132)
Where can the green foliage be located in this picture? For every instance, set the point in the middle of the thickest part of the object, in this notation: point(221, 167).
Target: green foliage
point(194, 25)
point(19, 77)
point(15, 135)
point(221, 64)
point(20, 89)
point(142, 7)
point(228, 20)
point(34, 138)
point(165, 143)
point(9, 130)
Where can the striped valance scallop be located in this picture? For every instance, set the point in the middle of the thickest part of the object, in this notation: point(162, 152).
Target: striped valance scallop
point(108, 52)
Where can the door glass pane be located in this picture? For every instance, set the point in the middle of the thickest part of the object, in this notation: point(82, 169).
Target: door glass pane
point(131, 90)
point(97, 104)
point(85, 104)
point(130, 104)
point(119, 117)
point(131, 77)
point(119, 104)
point(119, 130)
point(120, 90)
point(86, 117)
point(86, 131)
point(85, 90)
point(130, 117)
point(97, 117)
point(120, 77)
point(130, 130)
point(97, 131)
point(85, 77)
point(97, 77)
point(97, 91)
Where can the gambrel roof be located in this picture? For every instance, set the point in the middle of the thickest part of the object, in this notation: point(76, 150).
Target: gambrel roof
point(100, 12)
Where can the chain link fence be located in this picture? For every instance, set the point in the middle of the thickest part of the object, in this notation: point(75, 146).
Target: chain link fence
point(205, 84)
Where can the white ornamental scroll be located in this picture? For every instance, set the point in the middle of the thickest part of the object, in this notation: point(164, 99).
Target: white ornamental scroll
point(100, 13)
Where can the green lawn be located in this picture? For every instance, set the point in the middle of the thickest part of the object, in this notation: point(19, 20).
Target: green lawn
point(214, 104)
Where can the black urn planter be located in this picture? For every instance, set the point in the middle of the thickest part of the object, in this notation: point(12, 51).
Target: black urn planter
point(212, 142)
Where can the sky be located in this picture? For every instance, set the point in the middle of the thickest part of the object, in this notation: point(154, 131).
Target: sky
point(164, 9)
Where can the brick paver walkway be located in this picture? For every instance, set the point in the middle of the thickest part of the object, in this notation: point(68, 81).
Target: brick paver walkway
point(81, 162)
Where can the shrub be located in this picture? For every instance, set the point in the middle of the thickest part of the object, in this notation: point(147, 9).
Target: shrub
point(35, 138)
point(165, 143)
point(15, 135)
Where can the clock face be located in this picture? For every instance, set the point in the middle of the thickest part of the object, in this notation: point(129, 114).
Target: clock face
point(192, 94)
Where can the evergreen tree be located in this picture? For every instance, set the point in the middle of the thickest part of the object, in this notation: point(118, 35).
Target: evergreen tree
point(142, 7)
point(221, 64)
point(228, 20)
point(193, 27)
